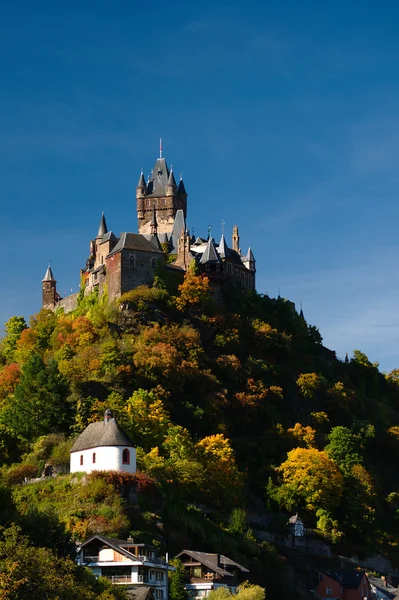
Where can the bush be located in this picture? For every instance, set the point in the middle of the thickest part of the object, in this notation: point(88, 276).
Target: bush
point(17, 474)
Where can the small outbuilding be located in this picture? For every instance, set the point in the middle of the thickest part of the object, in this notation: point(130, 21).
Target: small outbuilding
point(103, 446)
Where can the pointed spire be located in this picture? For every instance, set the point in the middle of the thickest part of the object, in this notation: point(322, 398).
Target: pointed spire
point(301, 312)
point(210, 255)
point(223, 248)
point(102, 230)
point(141, 184)
point(181, 189)
point(48, 276)
point(171, 178)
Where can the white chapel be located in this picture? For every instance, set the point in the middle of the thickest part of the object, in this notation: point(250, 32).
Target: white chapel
point(103, 446)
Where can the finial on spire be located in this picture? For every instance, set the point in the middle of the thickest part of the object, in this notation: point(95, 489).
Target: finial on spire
point(142, 171)
point(209, 231)
point(160, 147)
point(223, 224)
point(181, 176)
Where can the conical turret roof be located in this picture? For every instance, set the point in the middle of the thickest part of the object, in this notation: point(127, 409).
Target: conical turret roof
point(141, 183)
point(181, 189)
point(171, 178)
point(249, 257)
point(223, 248)
point(102, 230)
point(48, 275)
point(210, 255)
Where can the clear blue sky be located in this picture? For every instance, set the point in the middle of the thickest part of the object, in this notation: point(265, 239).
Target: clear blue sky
point(282, 116)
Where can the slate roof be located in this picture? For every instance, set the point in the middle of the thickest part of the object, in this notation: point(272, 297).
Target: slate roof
point(134, 241)
point(48, 276)
point(181, 189)
point(223, 248)
point(141, 183)
point(207, 559)
point(249, 257)
point(210, 254)
point(171, 179)
point(153, 238)
point(178, 226)
point(109, 236)
point(159, 179)
point(102, 228)
point(102, 433)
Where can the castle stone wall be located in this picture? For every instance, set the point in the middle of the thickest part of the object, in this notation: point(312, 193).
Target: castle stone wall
point(69, 303)
point(113, 266)
point(138, 269)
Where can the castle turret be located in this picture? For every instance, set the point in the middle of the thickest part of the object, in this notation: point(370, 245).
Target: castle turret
point(49, 290)
point(161, 193)
point(249, 260)
point(171, 186)
point(235, 239)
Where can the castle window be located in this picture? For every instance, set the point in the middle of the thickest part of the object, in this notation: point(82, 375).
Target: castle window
point(153, 263)
point(126, 457)
point(94, 457)
point(81, 459)
point(328, 591)
point(132, 261)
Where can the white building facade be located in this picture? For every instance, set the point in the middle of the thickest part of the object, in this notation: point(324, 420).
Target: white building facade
point(103, 446)
point(126, 563)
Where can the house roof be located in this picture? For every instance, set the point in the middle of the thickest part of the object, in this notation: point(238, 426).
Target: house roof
point(207, 559)
point(134, 241)
point(102, 433)
point(178, 226)
point(349, 579)
point(141, 592)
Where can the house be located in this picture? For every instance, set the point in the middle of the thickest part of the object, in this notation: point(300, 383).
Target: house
point(344, 585)
point(382, 589)
point(206, 572)
point(103, 446)
point(126, 562)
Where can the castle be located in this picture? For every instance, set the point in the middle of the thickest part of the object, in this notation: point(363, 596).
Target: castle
point(120, 264)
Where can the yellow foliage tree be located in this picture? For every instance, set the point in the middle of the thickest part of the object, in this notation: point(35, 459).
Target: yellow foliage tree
point(304, 435)
point(309, 478)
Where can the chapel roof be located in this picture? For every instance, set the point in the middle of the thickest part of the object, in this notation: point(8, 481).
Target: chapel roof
point(102, 433)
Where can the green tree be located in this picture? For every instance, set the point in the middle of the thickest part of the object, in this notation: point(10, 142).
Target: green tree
point(39, 403)
point(13, 328)
point(176, 583)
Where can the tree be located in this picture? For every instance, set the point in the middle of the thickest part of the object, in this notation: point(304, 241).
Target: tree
point(37, 573)
point(176, 583)
point(14, 327)
point(39, 403)
point(309, 478)
point(194, 290)
point(245, 591)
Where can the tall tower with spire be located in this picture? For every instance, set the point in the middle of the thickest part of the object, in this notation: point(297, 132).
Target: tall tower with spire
point(49, 290)
point(162, 194)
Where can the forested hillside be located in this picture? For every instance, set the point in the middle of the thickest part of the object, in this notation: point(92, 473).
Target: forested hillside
point(232, 405)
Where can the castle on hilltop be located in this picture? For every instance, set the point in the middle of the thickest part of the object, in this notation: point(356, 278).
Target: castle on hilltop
point(120, 264)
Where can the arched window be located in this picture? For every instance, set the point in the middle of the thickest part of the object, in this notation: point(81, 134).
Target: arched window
point(126, 457)
point(94, 457)
point(153, 263)
point(81, 459)
point(132, 261)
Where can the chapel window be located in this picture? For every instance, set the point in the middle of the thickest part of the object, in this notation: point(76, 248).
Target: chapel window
point(126, 457)
point(94, 457)
point(153, 263)
point(81, 459)
point(132, 261)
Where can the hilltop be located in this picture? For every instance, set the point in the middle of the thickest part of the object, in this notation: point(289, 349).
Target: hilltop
point(241, 417)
